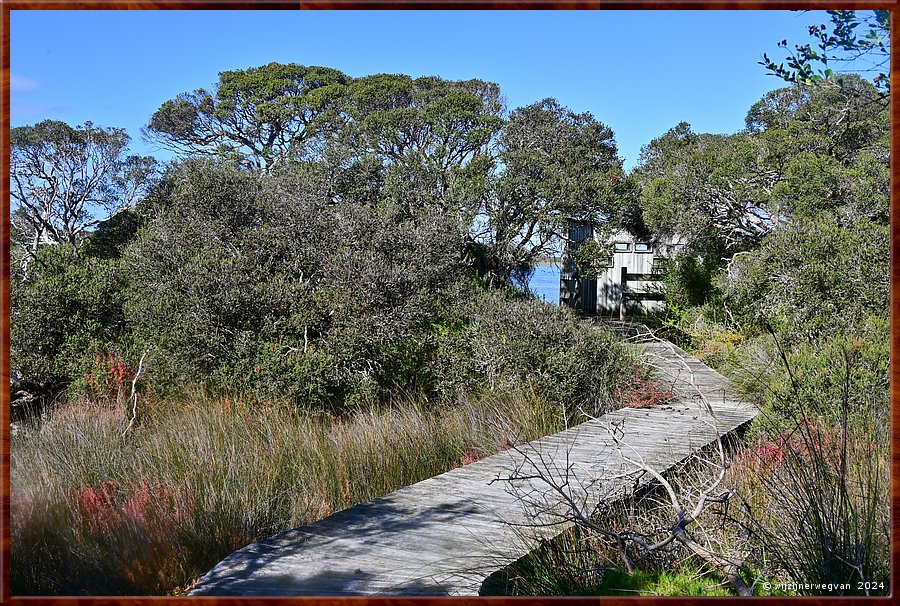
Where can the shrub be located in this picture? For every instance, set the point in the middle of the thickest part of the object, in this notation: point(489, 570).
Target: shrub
point(64, 316)
point(820, 502)
point(816, 476)
point(812, 379)
point(263, 283)
point(812, 278)
point(689, 280)
point(494, 340)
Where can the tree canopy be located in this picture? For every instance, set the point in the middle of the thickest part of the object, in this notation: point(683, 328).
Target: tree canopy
point(254, 117)
point(707, 189)
point(806, 150)
point(509, 184)
point(432, 138)
point(556, 165)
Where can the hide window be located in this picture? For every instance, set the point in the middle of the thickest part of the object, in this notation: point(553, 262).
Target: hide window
point(642, 247)
point(622, 246)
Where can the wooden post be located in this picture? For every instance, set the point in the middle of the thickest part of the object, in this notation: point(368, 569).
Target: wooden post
point(622, 300)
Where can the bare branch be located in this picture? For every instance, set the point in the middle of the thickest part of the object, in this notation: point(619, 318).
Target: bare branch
point(133, 398)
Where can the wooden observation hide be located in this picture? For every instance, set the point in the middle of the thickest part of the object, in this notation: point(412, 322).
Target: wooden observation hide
point(628, 281)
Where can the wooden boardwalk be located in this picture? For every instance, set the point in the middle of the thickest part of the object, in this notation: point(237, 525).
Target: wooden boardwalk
point(445, 535)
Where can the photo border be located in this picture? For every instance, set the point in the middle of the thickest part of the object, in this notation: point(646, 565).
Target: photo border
point(8, 5)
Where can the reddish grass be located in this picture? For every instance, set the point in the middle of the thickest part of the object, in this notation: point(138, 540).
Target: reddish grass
point(472, 453)
point(642, 393)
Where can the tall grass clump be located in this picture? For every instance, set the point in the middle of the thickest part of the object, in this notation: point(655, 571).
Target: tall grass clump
point(93, 513)
point(817, 475)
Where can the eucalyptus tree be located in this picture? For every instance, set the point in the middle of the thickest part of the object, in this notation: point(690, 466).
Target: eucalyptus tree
point(66, 180)
point(255, 117)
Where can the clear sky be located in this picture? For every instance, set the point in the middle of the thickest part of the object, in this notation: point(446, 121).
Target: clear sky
point(639, 72)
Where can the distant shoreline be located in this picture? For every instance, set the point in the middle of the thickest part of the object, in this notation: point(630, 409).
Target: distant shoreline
point(548, 261)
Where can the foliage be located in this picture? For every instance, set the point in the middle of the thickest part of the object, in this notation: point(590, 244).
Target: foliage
point(704, 189)
point(684, 582)
point(331, 228)
point(689, 280)
point(811, 156)
point(495, 341)
point(844, 43)
point(445, 122)
point(796, 316)
point(348, 241)
point(819, 479)
point(433, 136)
point(65, 315)
point(841, 118)
point(110, 237)
point(813, 278)
point(189, 283)
point(592, 258)
point(573, 564)
point(255, 117)
point(416, 143)
point(264, 284)
point(856, 362)
point(65, 181)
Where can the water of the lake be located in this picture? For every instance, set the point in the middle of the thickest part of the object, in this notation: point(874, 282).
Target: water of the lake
point(545, 283)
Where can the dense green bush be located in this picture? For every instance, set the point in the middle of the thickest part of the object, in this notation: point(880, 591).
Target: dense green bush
point(67, 324)
point(689, 280)
point(268, 285)
point(822, 380)
point(496, 340)
point(813, 278)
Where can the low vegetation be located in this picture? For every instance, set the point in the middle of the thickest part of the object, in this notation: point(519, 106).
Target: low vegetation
point(275, 331)
point(95, 514)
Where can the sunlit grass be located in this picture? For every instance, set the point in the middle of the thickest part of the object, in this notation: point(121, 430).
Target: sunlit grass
point(96, 513)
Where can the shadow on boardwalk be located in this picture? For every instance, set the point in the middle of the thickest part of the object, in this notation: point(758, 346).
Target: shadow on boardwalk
point(353, 536)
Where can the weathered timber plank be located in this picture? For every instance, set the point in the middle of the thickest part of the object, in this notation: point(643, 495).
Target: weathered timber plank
point(444, 535)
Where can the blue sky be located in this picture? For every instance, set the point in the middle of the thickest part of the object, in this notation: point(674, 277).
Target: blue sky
point(639, 72)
